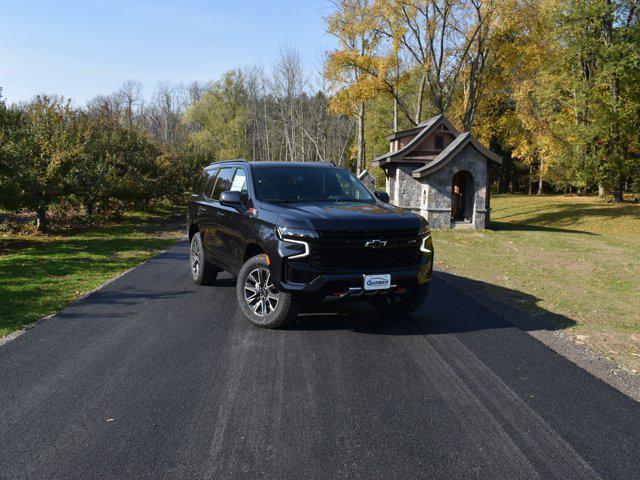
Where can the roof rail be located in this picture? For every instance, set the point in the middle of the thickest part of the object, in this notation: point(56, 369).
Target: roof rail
point(237, 160)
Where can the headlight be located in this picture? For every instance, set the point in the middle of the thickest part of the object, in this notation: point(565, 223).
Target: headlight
point(295, 235)
point(426, 245)
point(286, 233)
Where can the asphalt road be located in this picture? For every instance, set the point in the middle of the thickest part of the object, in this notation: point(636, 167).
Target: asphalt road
point(153, 377)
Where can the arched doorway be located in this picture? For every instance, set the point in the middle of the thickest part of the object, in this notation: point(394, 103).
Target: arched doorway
point(462, 193)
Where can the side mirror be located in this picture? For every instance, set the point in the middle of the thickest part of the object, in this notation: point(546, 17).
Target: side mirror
point(382, 196)
point(231, 199)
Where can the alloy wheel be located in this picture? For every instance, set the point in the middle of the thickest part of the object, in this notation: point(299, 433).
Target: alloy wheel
point(259, 293)
point(194, 257)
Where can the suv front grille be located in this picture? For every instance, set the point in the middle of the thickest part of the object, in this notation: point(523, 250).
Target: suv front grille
point(345, 249)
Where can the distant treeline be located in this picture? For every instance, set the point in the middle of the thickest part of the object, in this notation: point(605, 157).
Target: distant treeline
point(122, 151)
point(551, 85)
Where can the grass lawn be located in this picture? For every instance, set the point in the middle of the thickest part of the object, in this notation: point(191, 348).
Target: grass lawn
point(577, 257)
point(40, 274)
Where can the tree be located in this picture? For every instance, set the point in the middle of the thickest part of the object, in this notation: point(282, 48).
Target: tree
point(355, 23)
point(450, 41)
point(222, 117)
point(14, 152)
point(596, 75)
point(51, 148)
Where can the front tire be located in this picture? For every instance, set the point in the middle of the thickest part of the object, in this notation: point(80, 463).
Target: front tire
point(401, 304)
point(202, 271)
point(259, 300)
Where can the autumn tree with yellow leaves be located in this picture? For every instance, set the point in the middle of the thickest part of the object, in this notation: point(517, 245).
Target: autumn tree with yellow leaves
point(553, 85)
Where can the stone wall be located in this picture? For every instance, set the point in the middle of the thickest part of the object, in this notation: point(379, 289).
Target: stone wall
point(431, 196)
point(409, 189)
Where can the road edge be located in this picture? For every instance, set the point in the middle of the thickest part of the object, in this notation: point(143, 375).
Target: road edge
point(13, 335)
point(580, 355)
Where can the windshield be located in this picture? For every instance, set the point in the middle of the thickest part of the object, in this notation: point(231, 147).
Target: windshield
point(283, 184)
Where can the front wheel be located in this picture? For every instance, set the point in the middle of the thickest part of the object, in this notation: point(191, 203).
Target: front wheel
point(258, 298)
point(401, 304)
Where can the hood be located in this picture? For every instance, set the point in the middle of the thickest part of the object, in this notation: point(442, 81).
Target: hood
point(343, 215)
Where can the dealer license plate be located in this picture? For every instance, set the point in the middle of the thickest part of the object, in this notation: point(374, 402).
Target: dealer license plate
point(377, 282)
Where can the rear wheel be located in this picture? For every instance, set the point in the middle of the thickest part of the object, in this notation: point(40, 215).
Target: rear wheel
point(401, 304)
point(258, 298)
point(202, 271)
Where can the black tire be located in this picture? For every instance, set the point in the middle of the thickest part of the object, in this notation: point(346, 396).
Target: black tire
point(260, 302)
point(203, 272)
point(401, 304)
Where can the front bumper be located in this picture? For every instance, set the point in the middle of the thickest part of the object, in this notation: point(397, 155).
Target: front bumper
point(298, 278)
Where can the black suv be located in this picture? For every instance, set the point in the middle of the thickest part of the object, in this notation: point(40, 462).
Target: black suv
point(292, 231)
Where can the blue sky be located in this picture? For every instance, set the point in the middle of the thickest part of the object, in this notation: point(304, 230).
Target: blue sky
point(83, 48)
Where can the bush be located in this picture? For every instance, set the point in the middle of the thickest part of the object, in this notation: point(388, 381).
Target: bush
point(52, 154)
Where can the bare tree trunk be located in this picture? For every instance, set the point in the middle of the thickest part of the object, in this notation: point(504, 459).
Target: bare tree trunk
point(419, 101)
point(618, 190)
point(266, 131)
point(41, 219)
point(361, 158)
point(530, 191)
point(540, 182)
point(614, 88)
point(395, 114)
point(601, 190)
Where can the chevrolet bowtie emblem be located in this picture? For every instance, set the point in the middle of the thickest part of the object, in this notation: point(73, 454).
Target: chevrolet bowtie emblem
point(375, 243)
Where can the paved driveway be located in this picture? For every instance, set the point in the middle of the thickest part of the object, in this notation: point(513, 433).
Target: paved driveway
point(153, 377)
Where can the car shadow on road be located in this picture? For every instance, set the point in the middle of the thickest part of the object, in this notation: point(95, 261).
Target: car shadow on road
point(128, 296)
point(455, 305)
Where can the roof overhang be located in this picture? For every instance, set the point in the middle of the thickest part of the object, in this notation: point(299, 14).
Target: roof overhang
point(423, 130)
point(451, 151)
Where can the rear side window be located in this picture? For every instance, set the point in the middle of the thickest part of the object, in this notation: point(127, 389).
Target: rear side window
point(223, 183)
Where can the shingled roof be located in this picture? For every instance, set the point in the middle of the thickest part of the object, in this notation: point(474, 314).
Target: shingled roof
point(452, 149)
point(421, 132)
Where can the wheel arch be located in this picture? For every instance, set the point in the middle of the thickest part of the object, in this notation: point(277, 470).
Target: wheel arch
point(252, 249)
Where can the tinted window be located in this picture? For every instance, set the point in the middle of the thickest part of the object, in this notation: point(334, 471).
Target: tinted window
point(239, 183)
point(301, 183)
point(208, 186)
point(223, 183)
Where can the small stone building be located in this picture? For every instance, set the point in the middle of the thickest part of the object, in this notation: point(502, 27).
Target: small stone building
point(440, 173)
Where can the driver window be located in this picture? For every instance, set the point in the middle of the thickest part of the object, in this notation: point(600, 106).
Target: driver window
point(223, 183)
point(239, 183)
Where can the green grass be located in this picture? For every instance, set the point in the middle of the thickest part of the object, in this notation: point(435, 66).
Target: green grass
point(40, 275)
point(576, 257)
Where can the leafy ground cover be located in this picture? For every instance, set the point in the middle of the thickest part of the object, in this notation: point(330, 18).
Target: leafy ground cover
point(577, 257)
point(41, 274)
